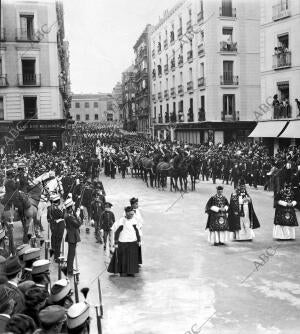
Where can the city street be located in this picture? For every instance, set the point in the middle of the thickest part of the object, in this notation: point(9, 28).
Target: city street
point(184, 281)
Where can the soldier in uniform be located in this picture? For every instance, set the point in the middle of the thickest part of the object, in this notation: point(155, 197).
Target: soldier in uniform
point(55, 218)
point(78, 318)
point(217, 222)
point(107, 221)
point(97, 208)
point(73, 237)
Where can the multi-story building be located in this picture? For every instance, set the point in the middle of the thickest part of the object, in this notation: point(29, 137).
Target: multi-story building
point(128, 93)
point(205, 81)
point(280, 72)
point(117, 101)
point(34, 75)
point(142, 96)
point(91, 108)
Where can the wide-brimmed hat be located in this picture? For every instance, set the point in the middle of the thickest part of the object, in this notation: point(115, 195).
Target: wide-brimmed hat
point(54, 198)
point(77, 314)
point(12, 266)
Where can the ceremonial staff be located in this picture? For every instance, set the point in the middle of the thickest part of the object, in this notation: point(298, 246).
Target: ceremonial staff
point(99, 309)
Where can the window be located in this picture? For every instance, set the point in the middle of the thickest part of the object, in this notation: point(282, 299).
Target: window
point(87, 117)
point(227, 71)
point(28, 72)
point(77, 104)
point(95, 104)
point(227, 34)
point(190, 74)
point(109, 117)
point(77, 118)
point(1, 109)
point(109, 105)
point(227, 8)
point(30, 108)
point(228, 104)
point(86, 104)
point(201, 70)
point(181, 78)
point(283, 42)
point(26, 24)
point(96, 117)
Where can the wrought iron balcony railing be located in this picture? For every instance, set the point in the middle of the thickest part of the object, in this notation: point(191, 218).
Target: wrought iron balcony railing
point(180, 90)
point(201, 82)
point(166, 94)
point(281, 11)
point(166, 68)
point(229, 116)
point(282, 111)
point(228, 46)
point(173, 92)
point(180, 60)
point(33, 80)
point(229, 79)
point(190, 86)
point(159, 96)
point(27, 35)
point(173, 64)
point(282, 60)
point(190, 56)
point(3, 80)
point(201, 50)
point(153, 98)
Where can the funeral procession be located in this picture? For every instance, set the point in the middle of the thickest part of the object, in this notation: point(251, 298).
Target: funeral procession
point(149, 167)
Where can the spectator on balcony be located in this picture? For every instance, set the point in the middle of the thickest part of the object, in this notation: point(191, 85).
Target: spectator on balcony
point(276, 106)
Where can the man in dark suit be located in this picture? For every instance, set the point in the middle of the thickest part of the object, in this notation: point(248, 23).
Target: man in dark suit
point(73, 236)
point(6, 306)
point(12, 269)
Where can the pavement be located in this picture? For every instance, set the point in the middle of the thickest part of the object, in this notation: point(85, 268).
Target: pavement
point(186, 285)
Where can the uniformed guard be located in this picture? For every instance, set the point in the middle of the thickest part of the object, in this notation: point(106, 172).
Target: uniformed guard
point(78, 318)
point(55, 217)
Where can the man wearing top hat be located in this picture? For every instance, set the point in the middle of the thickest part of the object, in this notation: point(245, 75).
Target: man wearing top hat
point(73, 236)
point(217, 222)
point(55, 218)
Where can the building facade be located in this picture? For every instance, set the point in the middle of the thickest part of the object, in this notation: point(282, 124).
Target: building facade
point(280, 73)
point(91, 108)
point(142, 96)
point(117, 102)
point(205, 76)
point(128, 97)
point(34, 75)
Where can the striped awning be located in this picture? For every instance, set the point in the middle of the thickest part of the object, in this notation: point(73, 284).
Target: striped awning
point(268, 129)
point(292, 130)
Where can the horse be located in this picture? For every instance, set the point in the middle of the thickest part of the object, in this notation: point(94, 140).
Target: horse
point(194, 167)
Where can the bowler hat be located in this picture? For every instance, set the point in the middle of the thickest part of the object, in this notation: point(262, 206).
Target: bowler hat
point(12, 266)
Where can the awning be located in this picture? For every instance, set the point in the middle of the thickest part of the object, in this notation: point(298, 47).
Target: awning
point(292, 130)
point(268, 129)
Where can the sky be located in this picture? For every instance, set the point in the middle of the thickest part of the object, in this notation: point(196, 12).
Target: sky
point(102, 34)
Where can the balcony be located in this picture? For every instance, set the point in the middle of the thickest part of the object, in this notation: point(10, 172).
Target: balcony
point(179, 32)
point(173, 117)
point(166, 94)
point(154, 98)
point(190, 56)
point(153, 75)
point(201, 82)
point(282, 60)
point(228, 79)
point(165, 44)
point(166, 69)
point(3, 80)
point(180, 90)
point(180, 116)
point(159, 96)
point(153, 53)
point(25, 35)
point(159, 48)
point(29, 80)
point(190, 87)
point(201, 50)
point(229, 13)
point(173, 64)
point(282, 111)
point(160, 119)
point(228, 46)
point(189, 26)
point(180, 60)
point(229, 116)
point(280, 11)
point(200, 17)
point(3, 35)
point(173, 92)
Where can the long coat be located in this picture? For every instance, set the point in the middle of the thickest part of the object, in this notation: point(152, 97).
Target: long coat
point(235, 214)
point(72, 227)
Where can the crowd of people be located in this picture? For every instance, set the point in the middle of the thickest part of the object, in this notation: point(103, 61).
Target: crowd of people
point(70, 188)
